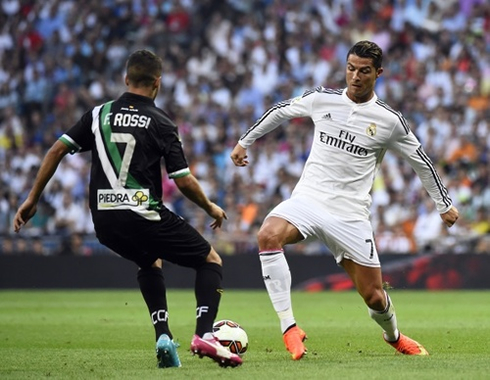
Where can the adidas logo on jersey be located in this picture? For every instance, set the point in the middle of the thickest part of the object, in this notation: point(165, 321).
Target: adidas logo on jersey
point(327, 116)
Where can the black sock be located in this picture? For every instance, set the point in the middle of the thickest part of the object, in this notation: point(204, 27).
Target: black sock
point(152, 286)
point(208, 295)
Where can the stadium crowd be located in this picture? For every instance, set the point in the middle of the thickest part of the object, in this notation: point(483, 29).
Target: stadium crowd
point(225, 62)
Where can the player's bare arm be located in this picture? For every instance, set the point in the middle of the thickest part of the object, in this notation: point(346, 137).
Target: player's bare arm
point(190, 187)
point(450, 217)
point(48, 167)
point(239, 155)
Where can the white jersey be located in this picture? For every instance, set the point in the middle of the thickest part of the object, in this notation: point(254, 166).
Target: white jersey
point(350, 140)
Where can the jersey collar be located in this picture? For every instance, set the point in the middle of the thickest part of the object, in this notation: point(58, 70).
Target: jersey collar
point(349, 101)
point(137, 98)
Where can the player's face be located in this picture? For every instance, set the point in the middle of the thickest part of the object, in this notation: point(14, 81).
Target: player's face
point(360, 75)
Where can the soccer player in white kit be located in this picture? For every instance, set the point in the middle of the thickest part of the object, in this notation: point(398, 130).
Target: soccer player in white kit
point(331, 202)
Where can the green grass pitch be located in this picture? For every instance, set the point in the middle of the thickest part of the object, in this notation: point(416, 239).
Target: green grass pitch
point(108, 335)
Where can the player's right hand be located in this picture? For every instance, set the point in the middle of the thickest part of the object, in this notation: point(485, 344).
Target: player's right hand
point(25, 212)
point(450, 217)
point(239, 156)
point(218, 214)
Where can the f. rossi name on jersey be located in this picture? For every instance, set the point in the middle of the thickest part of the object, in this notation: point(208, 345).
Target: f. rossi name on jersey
point(128, 120)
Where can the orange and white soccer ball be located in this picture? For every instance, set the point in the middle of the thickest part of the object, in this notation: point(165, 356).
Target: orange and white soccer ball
point(231, 335)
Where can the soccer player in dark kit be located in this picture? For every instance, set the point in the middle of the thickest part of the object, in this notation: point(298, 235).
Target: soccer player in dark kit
point(128, 138)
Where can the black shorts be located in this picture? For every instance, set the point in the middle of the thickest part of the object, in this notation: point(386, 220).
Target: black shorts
point(143, 241)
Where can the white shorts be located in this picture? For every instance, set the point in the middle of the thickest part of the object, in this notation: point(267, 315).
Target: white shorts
point(346, 239)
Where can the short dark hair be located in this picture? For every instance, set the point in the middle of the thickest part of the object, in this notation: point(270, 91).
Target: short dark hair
point(143, 67)
point(368, 49)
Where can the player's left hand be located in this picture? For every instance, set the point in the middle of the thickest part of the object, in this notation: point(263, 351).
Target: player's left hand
point(450, 217)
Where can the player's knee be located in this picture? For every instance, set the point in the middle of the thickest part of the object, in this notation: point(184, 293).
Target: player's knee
point(213, 257)
point(268, 238)
point(375, 299)
point(276, 232)
point(157, 264)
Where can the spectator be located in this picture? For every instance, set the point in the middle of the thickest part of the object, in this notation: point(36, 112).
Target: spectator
point(7, 247)
point(37, 247)
point(72, 245)
point(66, 217)
point(427, 227)
point(11, 130)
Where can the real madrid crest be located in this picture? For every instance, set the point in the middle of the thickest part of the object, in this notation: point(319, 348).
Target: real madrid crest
point(371, 130)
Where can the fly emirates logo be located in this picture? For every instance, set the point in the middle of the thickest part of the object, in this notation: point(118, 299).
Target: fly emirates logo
point(344, 141)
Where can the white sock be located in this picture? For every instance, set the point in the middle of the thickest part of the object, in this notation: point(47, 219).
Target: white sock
point(277, 280)
point(387, 320)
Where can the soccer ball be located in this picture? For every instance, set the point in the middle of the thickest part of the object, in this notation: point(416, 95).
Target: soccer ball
point(231, 335)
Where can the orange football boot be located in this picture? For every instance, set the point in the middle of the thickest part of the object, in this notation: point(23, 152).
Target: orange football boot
point(408, 346)
point(293, 340)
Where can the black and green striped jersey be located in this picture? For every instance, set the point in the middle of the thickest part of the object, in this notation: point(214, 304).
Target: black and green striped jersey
point(128, 138)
